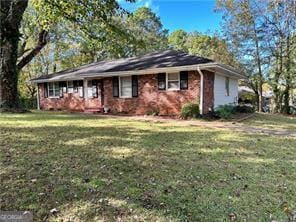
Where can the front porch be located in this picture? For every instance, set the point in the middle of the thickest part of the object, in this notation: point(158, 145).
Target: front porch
point(85, 95)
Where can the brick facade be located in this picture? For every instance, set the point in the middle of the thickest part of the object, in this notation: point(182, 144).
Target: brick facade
point(69, 101)
point(149, 99)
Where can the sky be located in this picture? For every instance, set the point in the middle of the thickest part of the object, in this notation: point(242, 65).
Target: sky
point(190, 15)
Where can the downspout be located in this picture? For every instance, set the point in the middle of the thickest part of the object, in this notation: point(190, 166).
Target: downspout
point(201, 91)
point(38, 101)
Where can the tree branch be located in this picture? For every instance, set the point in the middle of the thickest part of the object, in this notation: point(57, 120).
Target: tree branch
point(42, 41)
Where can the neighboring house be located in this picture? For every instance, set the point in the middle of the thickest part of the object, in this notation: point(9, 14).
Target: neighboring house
point(161, 81)
point(244, 91)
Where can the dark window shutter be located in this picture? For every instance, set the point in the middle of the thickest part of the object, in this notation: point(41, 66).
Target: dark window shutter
point(102, 91)
point(184, 80)
point(75, 85)
point(135, 86)
point(161, 81)
point(115, 86)
point(45, 90)
point(63, 88)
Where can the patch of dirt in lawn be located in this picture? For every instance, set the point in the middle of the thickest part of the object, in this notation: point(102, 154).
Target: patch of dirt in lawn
point(235, 124)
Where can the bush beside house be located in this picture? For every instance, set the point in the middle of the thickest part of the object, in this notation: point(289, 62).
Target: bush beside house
point(190, 110)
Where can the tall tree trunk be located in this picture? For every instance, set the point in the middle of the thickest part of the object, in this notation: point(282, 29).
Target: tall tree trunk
point(259, 64)
point(286, 107)
point(10, 17)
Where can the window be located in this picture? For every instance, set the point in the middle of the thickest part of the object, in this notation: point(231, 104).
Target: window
point(173, 81)
point(70, 86)
point(92, 88)
point(63, 87)
point(80, 88)
point(53, 90)
point(125, 85)
point(227, 86)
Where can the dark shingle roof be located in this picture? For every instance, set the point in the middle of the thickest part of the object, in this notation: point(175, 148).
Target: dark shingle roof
point(163, 59)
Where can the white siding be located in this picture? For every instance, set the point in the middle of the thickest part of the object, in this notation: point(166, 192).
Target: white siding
point(220, 97)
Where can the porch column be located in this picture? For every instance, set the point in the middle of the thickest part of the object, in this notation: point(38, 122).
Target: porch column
point(38, 99)
point(85, 89)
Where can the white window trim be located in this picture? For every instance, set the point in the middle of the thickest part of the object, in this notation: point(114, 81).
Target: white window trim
point(52, 97)
point(119, 85)
point(167, 81)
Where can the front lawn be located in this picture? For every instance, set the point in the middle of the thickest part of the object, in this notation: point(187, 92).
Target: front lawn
point(102, 169)
point(273, 121)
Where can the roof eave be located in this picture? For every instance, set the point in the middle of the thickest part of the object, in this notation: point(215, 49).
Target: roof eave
point(145, 71)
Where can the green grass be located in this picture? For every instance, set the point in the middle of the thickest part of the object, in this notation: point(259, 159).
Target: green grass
point(273, 121)
point(103, 169)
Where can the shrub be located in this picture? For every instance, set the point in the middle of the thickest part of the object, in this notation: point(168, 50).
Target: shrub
point(153, 112)
point(244, 109)
point(190, 110)
point(292, 110)
point(28, 103)
point(225, 111)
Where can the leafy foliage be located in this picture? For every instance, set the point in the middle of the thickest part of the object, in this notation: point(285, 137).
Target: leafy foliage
point(70, 46)
point(247, 97)
point(225, 111)
point(178, 40)
point(262, 38)
point(190, 110)
point(244, 109)
point(199, 44)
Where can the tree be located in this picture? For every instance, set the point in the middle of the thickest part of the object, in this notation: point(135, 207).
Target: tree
point(147, 30)
point(178, 40)
point(261, 34)
point(243, 28)
point(280, 38)
point(10, 19)
point(200, 44)
point(71, 47)
point(85, 15)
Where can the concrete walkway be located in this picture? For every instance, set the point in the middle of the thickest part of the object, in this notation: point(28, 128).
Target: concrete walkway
point(235, 126)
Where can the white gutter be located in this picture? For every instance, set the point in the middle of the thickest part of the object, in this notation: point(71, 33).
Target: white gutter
point(201, 91)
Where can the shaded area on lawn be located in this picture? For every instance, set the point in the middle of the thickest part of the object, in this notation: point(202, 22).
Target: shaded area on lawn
point(98, 168)
point(273, 121)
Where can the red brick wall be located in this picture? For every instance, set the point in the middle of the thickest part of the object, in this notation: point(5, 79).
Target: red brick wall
point(149, 97)
point(167, 102)
point(69, 101)
point(208, 102)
